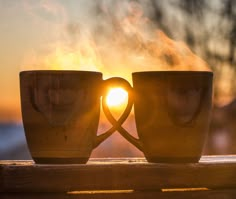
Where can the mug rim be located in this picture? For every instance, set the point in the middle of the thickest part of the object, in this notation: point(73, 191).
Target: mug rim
point(58, 72)
point(174, 71)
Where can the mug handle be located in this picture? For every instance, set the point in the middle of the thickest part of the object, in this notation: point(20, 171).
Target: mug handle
point(117, 124)
point(111, 82)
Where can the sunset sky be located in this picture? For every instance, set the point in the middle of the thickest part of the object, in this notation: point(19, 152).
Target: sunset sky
point(56, 34)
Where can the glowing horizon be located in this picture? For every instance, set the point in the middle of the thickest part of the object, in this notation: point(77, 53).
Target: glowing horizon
point(117, 39)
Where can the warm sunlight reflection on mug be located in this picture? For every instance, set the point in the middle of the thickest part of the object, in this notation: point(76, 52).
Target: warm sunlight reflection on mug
point(116, 97)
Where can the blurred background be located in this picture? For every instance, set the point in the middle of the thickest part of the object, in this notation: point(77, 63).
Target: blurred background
point(118, 37)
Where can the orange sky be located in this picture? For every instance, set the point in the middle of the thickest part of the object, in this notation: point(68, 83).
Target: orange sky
point(25, 26)
point(33, 36)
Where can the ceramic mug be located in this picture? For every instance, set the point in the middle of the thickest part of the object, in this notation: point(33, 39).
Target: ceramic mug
point(60, 112)
point(172, 114)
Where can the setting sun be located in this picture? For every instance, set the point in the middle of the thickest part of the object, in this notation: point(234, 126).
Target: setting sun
point(116, 97)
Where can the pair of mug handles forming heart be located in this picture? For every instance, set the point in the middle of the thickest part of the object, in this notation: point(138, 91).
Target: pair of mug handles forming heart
point(117, 124)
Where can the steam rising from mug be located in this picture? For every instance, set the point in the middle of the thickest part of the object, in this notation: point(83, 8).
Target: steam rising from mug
point(120, 41)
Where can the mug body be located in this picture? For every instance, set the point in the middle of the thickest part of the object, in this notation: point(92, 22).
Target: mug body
point(60, 112)
point(172, 112)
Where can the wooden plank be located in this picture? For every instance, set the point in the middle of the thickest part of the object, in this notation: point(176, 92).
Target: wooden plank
point(117, 174)
point(211, 194)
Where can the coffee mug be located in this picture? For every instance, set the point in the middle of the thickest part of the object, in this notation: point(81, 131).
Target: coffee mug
point(172, 114)
point(60, 112)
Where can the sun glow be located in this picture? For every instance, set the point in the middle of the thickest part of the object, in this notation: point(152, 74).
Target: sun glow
point(116, 97)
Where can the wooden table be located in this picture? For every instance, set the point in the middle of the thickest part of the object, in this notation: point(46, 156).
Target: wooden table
point(214, 177)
